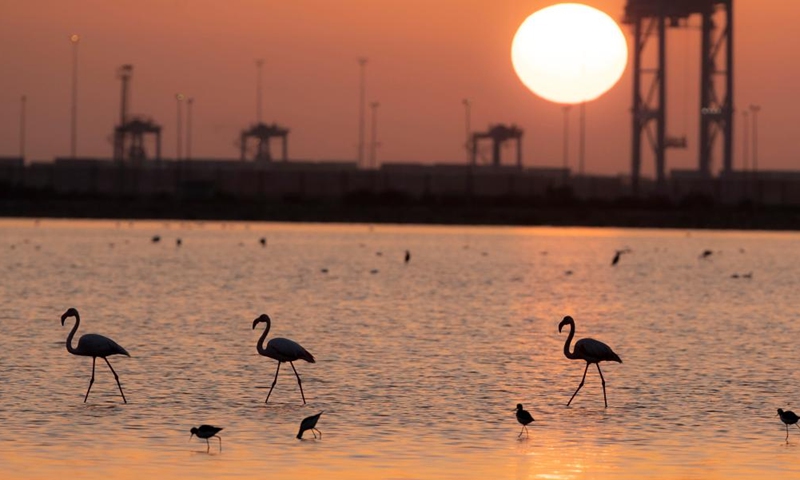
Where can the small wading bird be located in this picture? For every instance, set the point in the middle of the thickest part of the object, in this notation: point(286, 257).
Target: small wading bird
point(205, 432)
point(309, 423)
point(788, 418)
point(588, 350)
point(618, 254)
point(282, 350)
point(524, 418)
point(408, 256)
point(263, 241)
point(93, 345)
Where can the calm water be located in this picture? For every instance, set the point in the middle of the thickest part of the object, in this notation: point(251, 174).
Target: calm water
point(419, 365)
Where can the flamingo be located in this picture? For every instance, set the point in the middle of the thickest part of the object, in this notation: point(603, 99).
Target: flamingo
point(282, 350)
point(93, 345)
point(589, 350)
point(523, 417)
point(205, 432)
point(309, 423)
point(788, 418)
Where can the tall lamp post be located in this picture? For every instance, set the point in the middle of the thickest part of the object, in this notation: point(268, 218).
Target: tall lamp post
point(362, 62)
point(189, 103)
point(582, 138)
point(745, 139)
point(178, 100)
point(74, 128)
point(373, 155)
point(754, 109)
point(565, 147)
point(467, 114)
point(22, 104)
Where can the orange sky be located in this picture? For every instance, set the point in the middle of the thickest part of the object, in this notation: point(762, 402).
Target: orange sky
point(425, 57)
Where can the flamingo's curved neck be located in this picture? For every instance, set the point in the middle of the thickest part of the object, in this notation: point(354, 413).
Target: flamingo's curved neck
point(260, 344)
point(72, 334)
point(569, 340)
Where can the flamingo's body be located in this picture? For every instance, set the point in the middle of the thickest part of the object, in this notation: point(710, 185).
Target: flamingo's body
point(93, 345)
point(523, 417)
point(588, 350)
point(205, 432)
point(282, 350)
point(788, 418)
point(309, 423)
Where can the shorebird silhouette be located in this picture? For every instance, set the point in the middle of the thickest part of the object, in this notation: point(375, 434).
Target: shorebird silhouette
point(588, 350)
point(309, 423)
point(93, 345)
point(205, 432)
point(788, 418)
point(282, 350)
point(524, 418)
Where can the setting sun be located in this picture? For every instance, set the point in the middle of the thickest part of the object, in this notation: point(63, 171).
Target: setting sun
point(569, 53)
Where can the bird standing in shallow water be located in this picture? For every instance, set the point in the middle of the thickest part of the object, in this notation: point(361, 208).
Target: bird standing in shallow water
point(93, 345)
point(589, 350)
point(524, 418)
point(309, 423)
point(282, 350)
point(205, 432)
point(789, 418)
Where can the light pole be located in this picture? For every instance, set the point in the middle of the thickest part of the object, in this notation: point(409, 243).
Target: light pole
point(745, 139)
point(468, 144)
point(755, 109)
point(373, 155)
point(178, 99)
point(22, 101)
point(259, 65)
point(565, 147)
point(189, 102)
point(362, 62)
point(582, 135)
point(74, 130)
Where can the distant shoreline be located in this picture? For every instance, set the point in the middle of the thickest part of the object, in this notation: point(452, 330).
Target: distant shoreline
point(454, 211)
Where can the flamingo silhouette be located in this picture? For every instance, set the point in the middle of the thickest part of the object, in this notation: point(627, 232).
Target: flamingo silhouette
point(282, 350)
point(588, 350)
point(93, 345)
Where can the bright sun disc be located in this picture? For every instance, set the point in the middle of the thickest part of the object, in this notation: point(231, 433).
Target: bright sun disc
point(569, 53)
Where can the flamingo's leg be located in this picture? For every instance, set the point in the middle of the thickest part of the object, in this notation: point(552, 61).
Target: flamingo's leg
point(298, 382)
point(90, 381)
point(116, 377)
point(273, 382)
point(581, 385)
point(604, 384)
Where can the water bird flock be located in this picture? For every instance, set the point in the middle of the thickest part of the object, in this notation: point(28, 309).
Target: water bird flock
point(285, 350)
